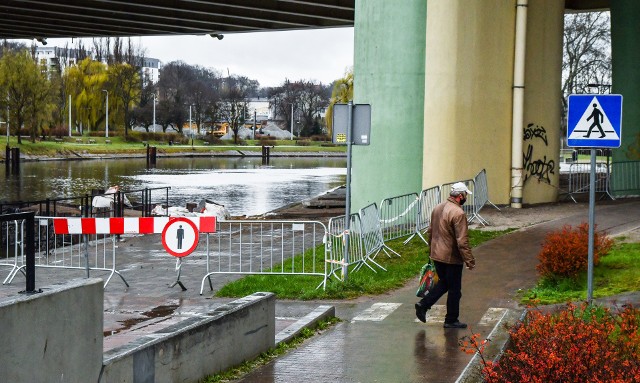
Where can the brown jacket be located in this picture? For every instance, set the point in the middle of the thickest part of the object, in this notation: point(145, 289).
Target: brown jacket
point(449, 234)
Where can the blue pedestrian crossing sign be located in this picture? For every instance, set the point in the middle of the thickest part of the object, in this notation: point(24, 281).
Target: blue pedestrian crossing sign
point(594, 120)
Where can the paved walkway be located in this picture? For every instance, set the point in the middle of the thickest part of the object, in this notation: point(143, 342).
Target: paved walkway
point(379, 339)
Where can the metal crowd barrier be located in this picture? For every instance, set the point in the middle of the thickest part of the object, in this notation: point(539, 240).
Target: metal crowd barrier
point(580, 175)
point(469, 208)
point(70, 251)
point(429, 198)
point(398, 216)
point(336, 258)
point(12, 255)
point(372, 238)
point(625, 178)
point(18, 253)
point(480, 196)
point(267, 247)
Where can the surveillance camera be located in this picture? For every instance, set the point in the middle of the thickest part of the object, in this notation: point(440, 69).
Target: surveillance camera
point(217, 36)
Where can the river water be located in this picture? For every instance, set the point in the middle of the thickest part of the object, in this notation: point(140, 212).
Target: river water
point(243, 185)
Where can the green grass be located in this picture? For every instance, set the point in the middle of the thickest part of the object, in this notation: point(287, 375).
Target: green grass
point(267, 356)
point(617, 272)
point(400, 270)
point(51, 147)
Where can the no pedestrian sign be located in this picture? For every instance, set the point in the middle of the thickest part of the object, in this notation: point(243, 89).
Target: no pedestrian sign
point(594, 121)
point(180, 237)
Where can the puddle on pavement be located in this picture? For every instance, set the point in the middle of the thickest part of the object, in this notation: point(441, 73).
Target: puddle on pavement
point(156, 312)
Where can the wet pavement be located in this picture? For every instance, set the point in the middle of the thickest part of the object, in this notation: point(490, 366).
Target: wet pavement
point(379, 339)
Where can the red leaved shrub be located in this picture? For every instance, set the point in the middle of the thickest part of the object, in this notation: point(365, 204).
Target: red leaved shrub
point(585, 344)
point(565, 252)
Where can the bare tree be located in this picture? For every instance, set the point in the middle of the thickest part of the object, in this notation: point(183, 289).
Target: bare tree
point(586, 61)
point(174, 91)
point(235, 96)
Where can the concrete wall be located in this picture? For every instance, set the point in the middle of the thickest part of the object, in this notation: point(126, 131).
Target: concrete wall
point(389, 75)
point(542, 95)
point(197, 347)
point(468, 93)
point(53, 336)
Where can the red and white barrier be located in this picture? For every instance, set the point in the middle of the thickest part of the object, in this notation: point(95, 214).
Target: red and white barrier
point(128, 225)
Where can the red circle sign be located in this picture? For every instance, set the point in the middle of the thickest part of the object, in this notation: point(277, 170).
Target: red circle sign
point(180, 237)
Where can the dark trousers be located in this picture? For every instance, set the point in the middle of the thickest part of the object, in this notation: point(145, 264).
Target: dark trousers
point(450, 281)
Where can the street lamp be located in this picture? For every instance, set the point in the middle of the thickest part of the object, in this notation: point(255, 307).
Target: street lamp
point(107, 131)
point(154, 112)
point(292, 105)
point(191, 126)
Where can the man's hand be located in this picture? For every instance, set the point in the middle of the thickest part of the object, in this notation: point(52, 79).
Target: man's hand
point(470, 265)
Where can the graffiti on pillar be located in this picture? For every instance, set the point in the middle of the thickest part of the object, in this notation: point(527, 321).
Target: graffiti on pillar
point(534, 131)
point(537, 167)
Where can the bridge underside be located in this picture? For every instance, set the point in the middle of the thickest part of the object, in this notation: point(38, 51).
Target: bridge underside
point(28, 19)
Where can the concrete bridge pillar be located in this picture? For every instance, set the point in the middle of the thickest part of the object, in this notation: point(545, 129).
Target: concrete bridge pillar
point(625, 46)
point(439, 77)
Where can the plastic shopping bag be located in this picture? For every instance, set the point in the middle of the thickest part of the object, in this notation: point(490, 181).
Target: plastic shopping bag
point(428, 279)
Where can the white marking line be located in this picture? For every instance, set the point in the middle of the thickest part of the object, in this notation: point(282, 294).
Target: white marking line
point(492, 315)
point(377, 312)
point(435, 314)
point(476, 357)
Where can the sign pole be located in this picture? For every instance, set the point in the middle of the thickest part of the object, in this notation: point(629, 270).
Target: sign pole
point(347, 215)
point(592, 220)
point(593, 121)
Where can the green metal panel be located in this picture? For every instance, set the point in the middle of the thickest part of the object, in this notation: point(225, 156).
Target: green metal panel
point(625, 46)
point(389, 68)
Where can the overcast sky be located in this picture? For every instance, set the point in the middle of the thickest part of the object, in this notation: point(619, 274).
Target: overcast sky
point(269, 57)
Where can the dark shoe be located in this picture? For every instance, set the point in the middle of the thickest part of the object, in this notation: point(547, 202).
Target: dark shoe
point(456, 324)
point(421, 313)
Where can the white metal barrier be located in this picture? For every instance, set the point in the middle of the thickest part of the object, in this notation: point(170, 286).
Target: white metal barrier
point(480, 196)
point(580, 175)
point(267, 247)
point(372, 238)
point(625, 178)
point(337, 260)
point(398, 216)
point(69, 251)
point(12, 254)
point(428, 200)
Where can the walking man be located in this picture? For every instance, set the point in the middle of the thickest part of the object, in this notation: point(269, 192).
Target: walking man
point(597, 119)
point(450, 251)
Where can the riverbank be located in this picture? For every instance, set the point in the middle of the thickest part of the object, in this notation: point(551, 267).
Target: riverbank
point(116, 148)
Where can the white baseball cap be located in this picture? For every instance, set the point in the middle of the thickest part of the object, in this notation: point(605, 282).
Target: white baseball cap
point(460, 187)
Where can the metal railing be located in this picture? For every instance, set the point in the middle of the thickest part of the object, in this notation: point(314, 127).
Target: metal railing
point(266, 247)
point(625, 178)
point(579, 179)
point(142, 201)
